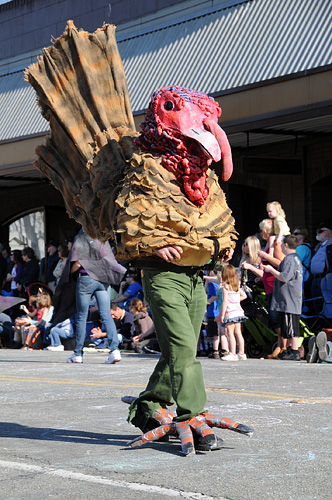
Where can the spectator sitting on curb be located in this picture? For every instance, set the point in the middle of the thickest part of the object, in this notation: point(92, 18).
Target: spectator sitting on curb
point(319, 349)
point(124, 323)
point(144, 339)
point(60, 331)
point(6, 331)
point(133, 290)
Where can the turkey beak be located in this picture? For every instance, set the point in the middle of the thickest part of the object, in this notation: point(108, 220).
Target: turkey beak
point(215, 143)
point(225, 149)
point(206, 139)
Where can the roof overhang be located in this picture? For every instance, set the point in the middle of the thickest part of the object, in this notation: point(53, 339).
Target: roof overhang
point(273, 84)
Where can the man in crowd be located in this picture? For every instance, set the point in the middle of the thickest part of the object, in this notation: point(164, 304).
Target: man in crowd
point(124, 322)
point(320, 260)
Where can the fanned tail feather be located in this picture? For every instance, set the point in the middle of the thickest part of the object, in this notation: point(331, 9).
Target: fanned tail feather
point(82, 92)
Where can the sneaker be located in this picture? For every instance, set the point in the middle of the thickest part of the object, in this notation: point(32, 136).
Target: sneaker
point(55, 348)
point(114, 357)
point(283, 353)
point(291, 356)
point(275, 353)
point(214, 355)
point(95, 349)
point(75, 359)
point(242, 357)
point(312, 355)
point(147, 350)
point(201, 445)
point(321, 343)
point(230, 357)
point(128, 399)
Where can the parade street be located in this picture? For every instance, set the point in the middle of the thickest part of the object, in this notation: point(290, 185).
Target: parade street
point(64, 431)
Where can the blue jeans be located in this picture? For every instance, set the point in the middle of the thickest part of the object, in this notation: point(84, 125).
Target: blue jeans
point(56, 334)
point(87, 287)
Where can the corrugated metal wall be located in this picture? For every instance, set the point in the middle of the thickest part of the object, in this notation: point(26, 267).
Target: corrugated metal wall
point(248, 43)
point(20, 115)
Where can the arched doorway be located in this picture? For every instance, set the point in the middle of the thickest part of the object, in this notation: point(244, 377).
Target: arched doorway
point(36, 227)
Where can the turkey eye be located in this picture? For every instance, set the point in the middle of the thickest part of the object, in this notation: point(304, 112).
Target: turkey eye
point(168, 105)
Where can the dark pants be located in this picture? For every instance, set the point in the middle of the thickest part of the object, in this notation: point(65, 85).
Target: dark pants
point(317, 292)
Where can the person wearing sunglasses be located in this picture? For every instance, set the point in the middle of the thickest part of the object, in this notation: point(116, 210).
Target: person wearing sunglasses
point(321, 262)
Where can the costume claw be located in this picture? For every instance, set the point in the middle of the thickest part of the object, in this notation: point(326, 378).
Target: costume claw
point(193, 433)
point(186, 436)
point(226, 423)
point(153, 435)
point(244, 429)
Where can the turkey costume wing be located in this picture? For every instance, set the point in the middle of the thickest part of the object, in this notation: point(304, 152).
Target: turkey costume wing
point(82, 92)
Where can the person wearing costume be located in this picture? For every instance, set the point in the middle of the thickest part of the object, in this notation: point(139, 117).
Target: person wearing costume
point(154, 196)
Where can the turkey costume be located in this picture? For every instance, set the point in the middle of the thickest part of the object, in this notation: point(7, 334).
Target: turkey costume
point(145, 193)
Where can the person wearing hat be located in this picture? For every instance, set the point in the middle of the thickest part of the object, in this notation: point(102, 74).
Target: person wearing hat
point(321, 262)
point(52, 260)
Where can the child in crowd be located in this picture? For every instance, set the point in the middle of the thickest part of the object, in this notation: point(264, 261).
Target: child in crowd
point(32, 333)
point(212, 312)
point(33, 309)
point(287, 297)
point(25, 320)
point(231, 313)
point(280, 226)
point(224, 348)
point(214, 302)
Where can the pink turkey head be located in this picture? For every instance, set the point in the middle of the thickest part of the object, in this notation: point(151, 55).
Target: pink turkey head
point(181, 125)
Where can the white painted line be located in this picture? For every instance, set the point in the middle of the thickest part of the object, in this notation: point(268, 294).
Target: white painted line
point(109, 482)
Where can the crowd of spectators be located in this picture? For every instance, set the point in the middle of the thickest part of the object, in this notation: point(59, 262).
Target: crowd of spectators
point(37, 323)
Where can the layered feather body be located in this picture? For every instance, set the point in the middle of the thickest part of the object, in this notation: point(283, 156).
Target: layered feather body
point(115, 190)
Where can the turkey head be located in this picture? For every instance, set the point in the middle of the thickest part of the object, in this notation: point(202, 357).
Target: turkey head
point(181, 125)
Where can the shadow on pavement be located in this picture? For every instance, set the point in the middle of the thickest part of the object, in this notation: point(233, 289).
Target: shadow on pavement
point(13, 430)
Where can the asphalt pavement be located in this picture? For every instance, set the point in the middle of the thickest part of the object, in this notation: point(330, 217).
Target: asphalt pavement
point(63, 431)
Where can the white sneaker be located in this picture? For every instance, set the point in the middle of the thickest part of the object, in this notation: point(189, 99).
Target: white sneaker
point(55, 348)
point(75, 359)
point(242, 357)
point(113, 358)
point(230, 357)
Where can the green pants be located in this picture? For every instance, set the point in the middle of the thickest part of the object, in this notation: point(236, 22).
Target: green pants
point(178, 303)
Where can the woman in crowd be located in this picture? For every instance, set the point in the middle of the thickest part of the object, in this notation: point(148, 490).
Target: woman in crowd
point(144, 327)
point(250, 260)
point(63, 252)
point(30, 273)
point(14, 273)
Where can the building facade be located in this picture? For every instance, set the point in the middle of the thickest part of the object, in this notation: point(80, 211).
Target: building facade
point(269, 65)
